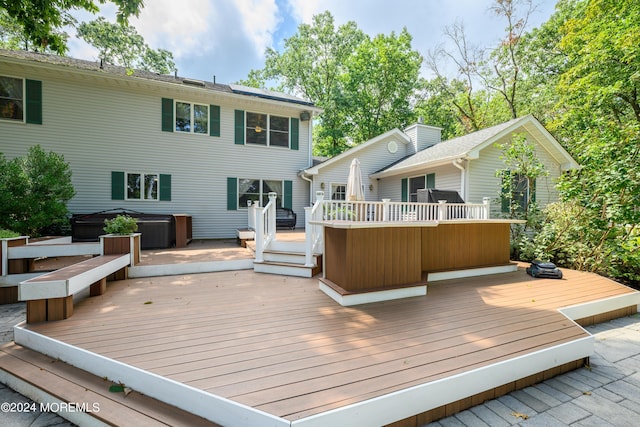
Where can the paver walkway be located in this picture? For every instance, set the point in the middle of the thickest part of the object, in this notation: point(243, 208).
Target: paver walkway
point(608, 394)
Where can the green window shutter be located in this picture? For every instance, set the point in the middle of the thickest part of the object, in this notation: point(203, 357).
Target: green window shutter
point(505, 197)
point(167, 115)
point(165, 187)
point(294, 134)
point(117, 185)
point(404, 189)
point(287, 197)
point(33, 101)
point(431, 180)
point(214, 120)
point(232, 194)
point(239, 127)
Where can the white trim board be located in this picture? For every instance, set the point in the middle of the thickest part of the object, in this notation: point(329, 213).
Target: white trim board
point(471, 272)
point(214, 408)
point(369, 297)
point(139, 271)
point(424, 397)
point(580, 311)
point(53, 250)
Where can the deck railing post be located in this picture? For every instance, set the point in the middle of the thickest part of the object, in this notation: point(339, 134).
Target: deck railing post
point(309, 236)
point(271, 216)
point(259, 230)
point(442, 210)
point(385, 209)
point(251, 222)
point(486, 201)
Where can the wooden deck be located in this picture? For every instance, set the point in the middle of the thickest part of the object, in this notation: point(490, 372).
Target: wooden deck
point(279, 345)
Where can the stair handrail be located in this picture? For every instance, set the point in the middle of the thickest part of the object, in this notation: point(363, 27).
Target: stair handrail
point(265, 226)
point(314, 233)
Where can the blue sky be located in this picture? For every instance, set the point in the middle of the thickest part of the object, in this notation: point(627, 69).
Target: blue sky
point(228, 38)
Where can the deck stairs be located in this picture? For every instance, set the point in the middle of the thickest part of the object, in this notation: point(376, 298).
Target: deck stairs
point(56, 385)
point(286, 258)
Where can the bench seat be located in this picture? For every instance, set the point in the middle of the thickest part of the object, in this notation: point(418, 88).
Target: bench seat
point(50, 296)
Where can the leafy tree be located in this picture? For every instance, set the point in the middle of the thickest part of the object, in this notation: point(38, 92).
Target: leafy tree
point(381, 79)
point(522, 169)
point(485, 89)
point(34, 191)
point(596, 226)
point(42, 21)
point(364, 85)
point(122, 45)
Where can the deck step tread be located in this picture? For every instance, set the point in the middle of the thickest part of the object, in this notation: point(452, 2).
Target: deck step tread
point(73, 385)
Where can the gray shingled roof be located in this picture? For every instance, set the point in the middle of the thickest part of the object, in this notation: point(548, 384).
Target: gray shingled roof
point(108, 69)
point(451, 148)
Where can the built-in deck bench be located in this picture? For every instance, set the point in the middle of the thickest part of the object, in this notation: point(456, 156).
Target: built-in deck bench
point(50, 296)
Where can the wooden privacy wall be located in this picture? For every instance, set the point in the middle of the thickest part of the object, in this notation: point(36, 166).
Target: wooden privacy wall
point(361, 259)
point(374, 258)
point(461, 246)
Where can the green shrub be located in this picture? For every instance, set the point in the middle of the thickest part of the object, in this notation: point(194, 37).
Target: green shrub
point(34, 191)
point(6, 234)
point(121, 225)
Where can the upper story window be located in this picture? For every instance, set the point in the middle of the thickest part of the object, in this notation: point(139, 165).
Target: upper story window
point(188, 117)
point(192, 118)
point(264, 129)
point(11, 98)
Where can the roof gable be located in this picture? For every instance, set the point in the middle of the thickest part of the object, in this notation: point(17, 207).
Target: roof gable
point(358, 148)
point(469, 147)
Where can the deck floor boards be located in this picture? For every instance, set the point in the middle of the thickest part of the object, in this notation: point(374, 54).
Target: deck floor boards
point(281, 345)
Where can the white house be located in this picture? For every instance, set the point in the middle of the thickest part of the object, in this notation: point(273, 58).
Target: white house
point(156, 143)
point(396, 164)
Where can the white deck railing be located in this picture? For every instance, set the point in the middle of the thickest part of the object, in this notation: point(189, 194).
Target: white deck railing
point(384, 211)
point(264, 225)
point(388, 211)
point(263, 220)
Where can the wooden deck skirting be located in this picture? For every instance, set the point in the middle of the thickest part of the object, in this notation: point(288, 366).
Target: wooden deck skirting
point(362, 258)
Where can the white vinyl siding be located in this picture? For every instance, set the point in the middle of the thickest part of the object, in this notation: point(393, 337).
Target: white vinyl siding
point(116, 127)
point(372, 159)
point(484, 183)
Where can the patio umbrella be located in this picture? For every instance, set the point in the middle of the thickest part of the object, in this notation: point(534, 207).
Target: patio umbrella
point(354, 182)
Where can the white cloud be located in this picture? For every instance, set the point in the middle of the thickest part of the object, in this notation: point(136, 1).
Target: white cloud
point(260, 19)
point(176, 26)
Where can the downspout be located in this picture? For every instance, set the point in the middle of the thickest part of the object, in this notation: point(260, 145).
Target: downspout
point(458, 163)
point(310, 160)
point(304, 176)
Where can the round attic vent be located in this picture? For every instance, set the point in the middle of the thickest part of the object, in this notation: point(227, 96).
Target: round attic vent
point(392, 147)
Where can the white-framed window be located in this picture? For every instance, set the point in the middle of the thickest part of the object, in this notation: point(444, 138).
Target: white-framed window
point(338, 191)
point(258, 190)
point(142, 186)
point(268, 130)
point(12, 99)
point(520, 191)
point(191, 117)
